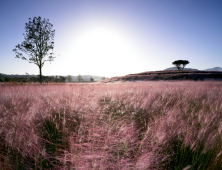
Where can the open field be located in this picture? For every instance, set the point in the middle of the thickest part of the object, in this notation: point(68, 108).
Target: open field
point(143, 125)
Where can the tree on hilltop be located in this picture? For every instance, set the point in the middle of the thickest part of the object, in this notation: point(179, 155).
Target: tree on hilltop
point(180, 64)
point(39, 39)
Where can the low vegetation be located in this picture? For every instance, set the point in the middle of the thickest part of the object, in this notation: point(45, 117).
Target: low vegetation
point(143, 125)
point(169, 75)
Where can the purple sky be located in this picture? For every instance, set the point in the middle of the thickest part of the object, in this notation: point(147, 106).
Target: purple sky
point(116, 37)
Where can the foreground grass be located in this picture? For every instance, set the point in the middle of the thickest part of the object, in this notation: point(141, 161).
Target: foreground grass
point(147, 125)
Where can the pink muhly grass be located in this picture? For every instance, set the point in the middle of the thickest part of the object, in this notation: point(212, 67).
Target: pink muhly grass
point(143, 125)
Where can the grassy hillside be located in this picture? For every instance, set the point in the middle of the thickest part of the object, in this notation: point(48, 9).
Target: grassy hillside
point(169, 75)
point(144, 125)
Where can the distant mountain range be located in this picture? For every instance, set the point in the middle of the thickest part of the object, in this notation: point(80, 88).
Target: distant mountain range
point(87, 77)
point(209, 69)
point(214, 69)
point(74, 78)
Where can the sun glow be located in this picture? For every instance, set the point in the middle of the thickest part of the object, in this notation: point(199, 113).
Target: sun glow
point(100, 43)
point(103, 49)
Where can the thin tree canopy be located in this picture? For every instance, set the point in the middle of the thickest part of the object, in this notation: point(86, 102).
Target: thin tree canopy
point(39, 40)
point(180, 64)
point(69, 78)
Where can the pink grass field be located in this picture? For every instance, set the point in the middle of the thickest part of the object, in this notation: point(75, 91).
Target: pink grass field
point(143, 125)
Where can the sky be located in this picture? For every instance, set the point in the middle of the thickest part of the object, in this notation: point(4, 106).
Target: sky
point(115, 37)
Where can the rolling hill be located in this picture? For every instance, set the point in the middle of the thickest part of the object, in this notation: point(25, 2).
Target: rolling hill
point(169, 75)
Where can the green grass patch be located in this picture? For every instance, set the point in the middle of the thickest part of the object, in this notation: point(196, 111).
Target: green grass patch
point(182, 156)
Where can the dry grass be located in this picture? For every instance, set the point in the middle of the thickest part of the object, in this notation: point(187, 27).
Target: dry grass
point(144, 125)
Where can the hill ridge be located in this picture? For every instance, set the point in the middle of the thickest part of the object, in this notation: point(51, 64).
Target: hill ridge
point(169, 75)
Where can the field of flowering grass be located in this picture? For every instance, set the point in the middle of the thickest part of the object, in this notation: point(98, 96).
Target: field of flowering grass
point(143, 125)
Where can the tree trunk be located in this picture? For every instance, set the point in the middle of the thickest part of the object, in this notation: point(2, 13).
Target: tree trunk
point(40, 74)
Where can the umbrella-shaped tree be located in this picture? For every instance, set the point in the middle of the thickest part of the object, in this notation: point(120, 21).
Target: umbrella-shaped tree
point(180, 64)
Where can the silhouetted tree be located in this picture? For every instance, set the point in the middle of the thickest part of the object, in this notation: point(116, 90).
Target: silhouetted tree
point(178, 64)
point(7, 79)
point(69, 78)
point(62, 79)
point(50, 78)
point(56, 78)
point(34, 79)
point(1, 78)
point(91, 79)
point(80, 79)
point(39, 39)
